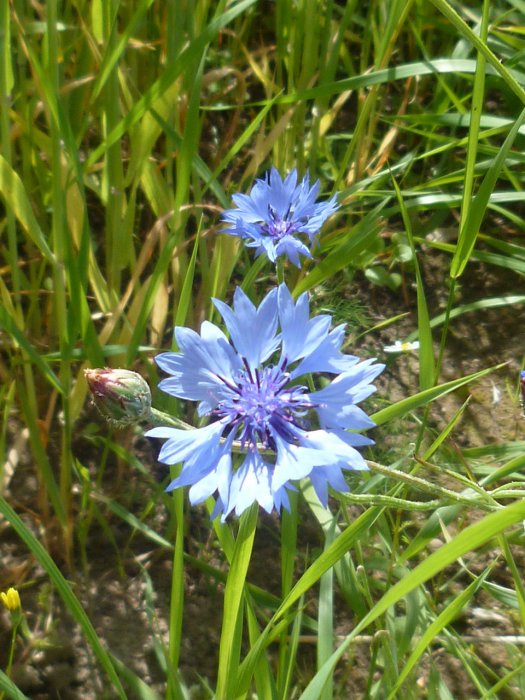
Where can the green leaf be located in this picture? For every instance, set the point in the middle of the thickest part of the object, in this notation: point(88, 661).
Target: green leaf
point(16, 199)
point(478, 207)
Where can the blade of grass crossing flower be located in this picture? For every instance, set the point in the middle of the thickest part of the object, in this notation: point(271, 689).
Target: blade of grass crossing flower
point(231, 632)
point(62, 586)
point(401, 408)
point(447, 615)
point(426, 351)
point(478, 206)
point(468, 540)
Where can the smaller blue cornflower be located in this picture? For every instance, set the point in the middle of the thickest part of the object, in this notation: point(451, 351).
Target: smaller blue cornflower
point(275, 213)
point(270, 421)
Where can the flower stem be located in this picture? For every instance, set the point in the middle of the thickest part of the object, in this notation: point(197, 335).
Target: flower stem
point(423, 485)
point(177, 597)
point(279, 269)
point(11, 653)
point(159, 418)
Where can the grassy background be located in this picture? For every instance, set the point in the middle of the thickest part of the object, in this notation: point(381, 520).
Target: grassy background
point(125, 128)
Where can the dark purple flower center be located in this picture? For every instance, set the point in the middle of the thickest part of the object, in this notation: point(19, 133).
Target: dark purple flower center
point(278, 226)
point(261, 404)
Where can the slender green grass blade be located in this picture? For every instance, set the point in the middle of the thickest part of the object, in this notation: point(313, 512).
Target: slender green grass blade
point(400, 408)
point(15, 196)
point(10, 689)
point(478, 207)
point(8, 325)
point(112, 58)
point(402, 72)
point(426, 351)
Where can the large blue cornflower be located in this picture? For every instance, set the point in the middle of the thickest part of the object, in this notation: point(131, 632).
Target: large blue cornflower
point(268, 426)
point(275, 212)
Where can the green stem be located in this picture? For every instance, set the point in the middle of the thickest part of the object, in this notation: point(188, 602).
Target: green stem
point(177, 598)
point(279, 269)
point(160, 418)
point(418, 483)
point(289, 524)
point(11, 650)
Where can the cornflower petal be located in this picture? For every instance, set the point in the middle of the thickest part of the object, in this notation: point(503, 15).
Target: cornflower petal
point(275, 212)
point(325, 476)
point(336, 401)
point(218, 479)
point(202, 358)
point(182, 444)
point(327, 356)
point(268, 428)
point(301, 335)
point(251, 483)
point(253, 348)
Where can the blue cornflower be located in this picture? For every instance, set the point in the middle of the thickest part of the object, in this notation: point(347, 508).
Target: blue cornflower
point(268, 426)
point(275, 212)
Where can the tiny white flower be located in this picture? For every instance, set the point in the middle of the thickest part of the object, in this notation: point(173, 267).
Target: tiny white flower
point(398, 346)
point(496, 393)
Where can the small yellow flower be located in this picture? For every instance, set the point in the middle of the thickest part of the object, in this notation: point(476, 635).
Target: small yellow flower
point(11, 599)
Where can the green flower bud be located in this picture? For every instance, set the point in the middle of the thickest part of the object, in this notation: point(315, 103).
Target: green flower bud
point(121, 396)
